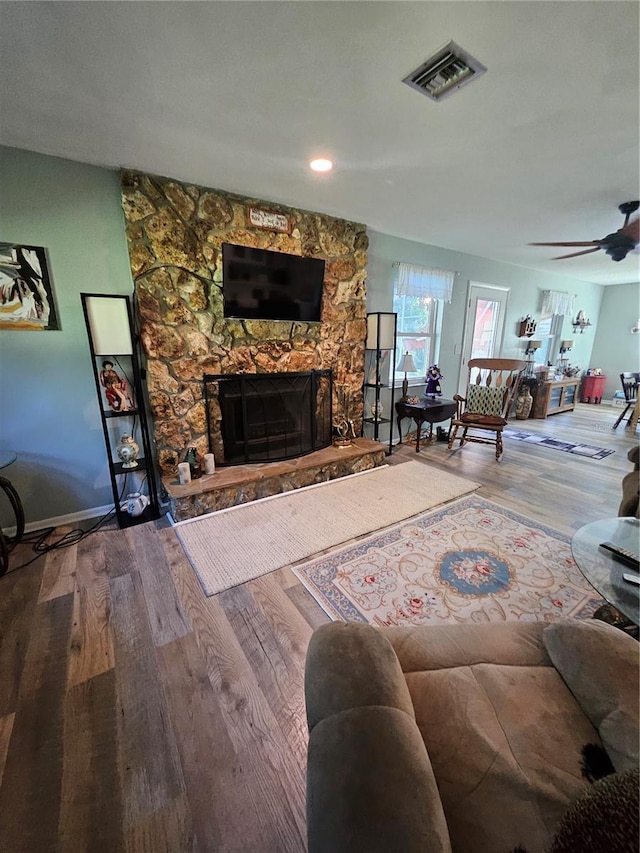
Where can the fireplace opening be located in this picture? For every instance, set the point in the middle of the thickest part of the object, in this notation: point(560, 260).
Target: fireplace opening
point(268, 417)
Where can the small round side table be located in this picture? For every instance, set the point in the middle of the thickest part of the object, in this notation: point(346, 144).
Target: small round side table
point(8, 543)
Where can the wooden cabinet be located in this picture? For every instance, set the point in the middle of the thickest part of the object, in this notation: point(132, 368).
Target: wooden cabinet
point(558, 395)
point(592, 389)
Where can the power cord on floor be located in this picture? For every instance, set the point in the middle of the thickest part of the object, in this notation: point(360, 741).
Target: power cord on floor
point(72, 537)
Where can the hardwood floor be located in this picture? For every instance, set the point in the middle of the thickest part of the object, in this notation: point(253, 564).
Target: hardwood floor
point(138, 715)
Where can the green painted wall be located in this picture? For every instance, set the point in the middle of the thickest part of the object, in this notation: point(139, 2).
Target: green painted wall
point(616, 350)
point(525, 287)
point(48, 406)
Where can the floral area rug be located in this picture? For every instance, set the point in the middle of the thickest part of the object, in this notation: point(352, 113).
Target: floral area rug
point(469, 561)
point(588, 450)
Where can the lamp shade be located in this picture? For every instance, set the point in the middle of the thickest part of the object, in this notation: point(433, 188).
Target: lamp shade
point(108, 318)
point(566, 345)
point(381, 331)
point(534, 344)
point(406, 364)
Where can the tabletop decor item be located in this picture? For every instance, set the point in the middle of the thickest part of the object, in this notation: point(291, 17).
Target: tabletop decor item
point(377, 410)
point(524, 403)
point(195, 468)
point(136, 504)
point(434, 376)
point(343, 428)
point(127, 451)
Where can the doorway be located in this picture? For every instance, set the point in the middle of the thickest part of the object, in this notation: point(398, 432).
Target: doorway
point(484, 324)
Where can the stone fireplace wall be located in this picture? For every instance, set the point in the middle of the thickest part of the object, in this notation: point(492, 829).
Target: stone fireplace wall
point(175, 233)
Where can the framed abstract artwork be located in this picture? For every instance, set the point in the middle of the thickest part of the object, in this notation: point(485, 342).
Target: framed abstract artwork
point(26, 293)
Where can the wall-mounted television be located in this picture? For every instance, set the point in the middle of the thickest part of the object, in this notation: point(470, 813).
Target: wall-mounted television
point(262, 285)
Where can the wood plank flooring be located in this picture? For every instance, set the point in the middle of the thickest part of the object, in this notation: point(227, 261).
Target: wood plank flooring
point(138, 715)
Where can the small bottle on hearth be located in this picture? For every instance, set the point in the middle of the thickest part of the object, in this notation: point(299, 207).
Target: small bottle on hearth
point(194, 463)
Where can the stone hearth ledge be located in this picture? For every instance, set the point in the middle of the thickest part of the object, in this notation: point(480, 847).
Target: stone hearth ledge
point(239, 484)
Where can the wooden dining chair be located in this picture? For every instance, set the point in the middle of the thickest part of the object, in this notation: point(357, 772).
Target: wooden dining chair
point(492, 384)
point(630, 383)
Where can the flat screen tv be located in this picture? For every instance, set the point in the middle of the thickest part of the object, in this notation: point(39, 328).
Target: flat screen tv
point(262, 285)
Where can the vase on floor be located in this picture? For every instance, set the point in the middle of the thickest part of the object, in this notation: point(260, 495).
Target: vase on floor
point(524, 404)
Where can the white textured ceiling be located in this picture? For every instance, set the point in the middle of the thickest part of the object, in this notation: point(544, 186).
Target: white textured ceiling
point(239, 95)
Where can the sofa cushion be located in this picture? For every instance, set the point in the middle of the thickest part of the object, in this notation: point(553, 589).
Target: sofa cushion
point(444, 646)
point(505, 746)
point(599, 664)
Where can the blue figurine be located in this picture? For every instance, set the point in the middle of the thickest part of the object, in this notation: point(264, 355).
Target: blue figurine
point(434, 376)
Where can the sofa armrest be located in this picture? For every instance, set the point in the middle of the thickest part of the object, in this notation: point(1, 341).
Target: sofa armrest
point(370, 786)
point(600, 666)
point(350, 665)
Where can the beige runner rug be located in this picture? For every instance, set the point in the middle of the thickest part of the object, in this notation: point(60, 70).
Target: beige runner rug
point(232, 546)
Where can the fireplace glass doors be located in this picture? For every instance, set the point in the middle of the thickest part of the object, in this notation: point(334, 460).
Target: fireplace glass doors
point(266, 417)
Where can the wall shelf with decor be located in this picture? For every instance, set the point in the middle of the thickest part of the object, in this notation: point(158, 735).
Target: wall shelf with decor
point(116, 371)
point(380, 365)
point(527, 327)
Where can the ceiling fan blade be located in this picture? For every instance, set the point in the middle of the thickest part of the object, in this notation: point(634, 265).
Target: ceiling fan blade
point(584, 243)
point(575, 254)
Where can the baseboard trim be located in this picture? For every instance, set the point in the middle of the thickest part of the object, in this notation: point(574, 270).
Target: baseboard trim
point(60, 520)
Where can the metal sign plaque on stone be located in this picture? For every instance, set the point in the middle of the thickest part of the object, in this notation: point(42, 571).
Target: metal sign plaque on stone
point(269, 220)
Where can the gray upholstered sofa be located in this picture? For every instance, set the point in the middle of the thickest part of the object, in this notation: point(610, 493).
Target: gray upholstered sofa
point(461, 737)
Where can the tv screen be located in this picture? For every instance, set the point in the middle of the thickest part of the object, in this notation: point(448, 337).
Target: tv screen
point(262, 285)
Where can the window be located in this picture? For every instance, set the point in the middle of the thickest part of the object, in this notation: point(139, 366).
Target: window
point(418, 298)
point(549, 331)
point(416, 332)
point(555, 306)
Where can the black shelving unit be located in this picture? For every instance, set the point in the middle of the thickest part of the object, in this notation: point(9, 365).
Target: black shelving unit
point(131, 421)
point(381, 339)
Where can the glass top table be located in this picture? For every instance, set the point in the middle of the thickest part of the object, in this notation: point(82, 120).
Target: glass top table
point(602, 570)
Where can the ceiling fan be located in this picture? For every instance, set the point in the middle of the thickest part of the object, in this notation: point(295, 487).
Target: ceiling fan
point(617, 245)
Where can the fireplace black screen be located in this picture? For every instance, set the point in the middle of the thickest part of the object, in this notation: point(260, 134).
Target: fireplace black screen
point(266, 417)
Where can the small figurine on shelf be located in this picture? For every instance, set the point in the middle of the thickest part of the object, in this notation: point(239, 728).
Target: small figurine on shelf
point(127, 451)
point(434, 376)
point(115, 388)
point(195, 469)
point(377, 411)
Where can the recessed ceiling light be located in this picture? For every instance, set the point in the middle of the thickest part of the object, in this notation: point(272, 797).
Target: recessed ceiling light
point(321, 165)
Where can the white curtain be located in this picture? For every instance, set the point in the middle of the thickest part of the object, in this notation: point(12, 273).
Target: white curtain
point(412, 280)
point(556, 302)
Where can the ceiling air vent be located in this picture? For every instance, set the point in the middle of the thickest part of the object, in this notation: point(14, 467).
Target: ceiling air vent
point(449, 69)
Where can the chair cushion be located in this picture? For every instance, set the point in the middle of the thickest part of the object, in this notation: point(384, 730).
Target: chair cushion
point(484, 401)
point(483, 420)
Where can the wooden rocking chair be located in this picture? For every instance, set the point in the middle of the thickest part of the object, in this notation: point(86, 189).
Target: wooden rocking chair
point(492, 385)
